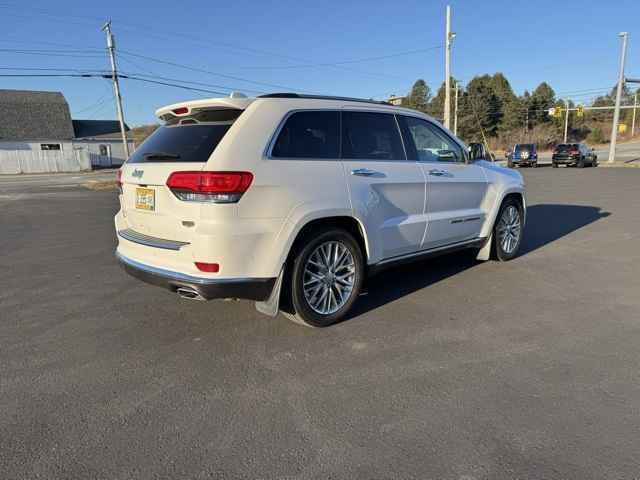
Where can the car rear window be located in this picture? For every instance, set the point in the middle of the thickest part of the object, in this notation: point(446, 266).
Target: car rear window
point(567, 146)
point(312, 134)
point(180, 143)
point(525, 148)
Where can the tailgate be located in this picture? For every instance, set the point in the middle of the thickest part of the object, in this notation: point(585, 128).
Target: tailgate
point(148, 205)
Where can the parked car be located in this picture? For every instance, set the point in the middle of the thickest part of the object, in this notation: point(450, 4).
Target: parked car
point(576, 154)
point(292, 200)
point(523, 154)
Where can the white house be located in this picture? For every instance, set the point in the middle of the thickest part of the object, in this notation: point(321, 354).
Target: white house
point(38, 135)
point(103, 140)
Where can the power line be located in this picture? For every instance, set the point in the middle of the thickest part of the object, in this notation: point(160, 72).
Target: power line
point(207, 42)
point(49, 53)
point(47, 69)
point(201, 70)
point(153, 75)
point(347, 62)
point(91, 75)
point(173, 85)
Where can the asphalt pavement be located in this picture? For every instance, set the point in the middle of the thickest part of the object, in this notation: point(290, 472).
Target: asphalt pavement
point(448, 369)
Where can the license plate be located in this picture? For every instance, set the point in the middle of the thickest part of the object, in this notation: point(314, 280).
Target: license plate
point(146, 199)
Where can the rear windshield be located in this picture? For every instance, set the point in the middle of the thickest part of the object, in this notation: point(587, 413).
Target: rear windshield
point(567, 146)
point(180, 143)
point(525, 148)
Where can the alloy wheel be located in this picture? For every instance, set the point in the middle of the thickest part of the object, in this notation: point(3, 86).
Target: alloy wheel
point(509, 229)
point(329, 277)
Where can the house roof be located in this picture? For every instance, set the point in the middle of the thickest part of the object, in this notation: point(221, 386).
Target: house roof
point(30, 115)
point(98, 129)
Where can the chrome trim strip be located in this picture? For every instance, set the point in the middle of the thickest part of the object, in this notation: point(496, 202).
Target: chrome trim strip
point(181, 277)
point(149, 241)
point(430, 250)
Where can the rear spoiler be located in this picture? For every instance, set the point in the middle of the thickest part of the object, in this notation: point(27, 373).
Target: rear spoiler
point(185, 108)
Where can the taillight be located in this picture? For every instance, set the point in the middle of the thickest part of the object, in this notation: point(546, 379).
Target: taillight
point(208, 267)
point(214, 187)
point(119, 179)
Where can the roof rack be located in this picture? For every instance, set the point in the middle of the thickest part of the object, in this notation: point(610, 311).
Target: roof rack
point(321, 97)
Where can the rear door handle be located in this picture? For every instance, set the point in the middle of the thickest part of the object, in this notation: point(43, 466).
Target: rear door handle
point(364, 172)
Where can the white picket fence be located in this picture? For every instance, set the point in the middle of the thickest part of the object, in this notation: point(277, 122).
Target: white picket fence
point(22, 158)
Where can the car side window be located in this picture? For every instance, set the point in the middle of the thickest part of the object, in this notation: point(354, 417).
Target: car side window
point(427, 143)
point(312, 134)
point(371, 136)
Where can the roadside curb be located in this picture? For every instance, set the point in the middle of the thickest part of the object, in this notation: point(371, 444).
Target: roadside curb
point(618, 165)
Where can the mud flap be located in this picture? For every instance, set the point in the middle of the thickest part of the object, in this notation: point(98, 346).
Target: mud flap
point(271, 306)
point(485, 251)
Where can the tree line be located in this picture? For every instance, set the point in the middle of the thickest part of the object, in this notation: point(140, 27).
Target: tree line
point(488, 105)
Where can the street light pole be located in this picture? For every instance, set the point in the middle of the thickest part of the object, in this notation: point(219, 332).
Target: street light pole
point(616, 112)
point(111, 46)
point(447, 69)
point(633, 118)
point(566, 120)
point(455, 111)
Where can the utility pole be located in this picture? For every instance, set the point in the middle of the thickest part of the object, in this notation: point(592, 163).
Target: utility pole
point(633, 119)
point(449, 36)
point(566, 120)
point(616, 112)
point(455, 111)
point(111, 46)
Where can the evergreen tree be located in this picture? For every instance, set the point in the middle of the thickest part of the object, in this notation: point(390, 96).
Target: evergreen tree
point(419, 96)
point(510, 105)
point(542, 99)
point(482, 107)
point(436, 106)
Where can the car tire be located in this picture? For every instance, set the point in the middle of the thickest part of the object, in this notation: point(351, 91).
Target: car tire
point(580, 163)
point(554, 165)
point(534, 164)
point(507, 230)
point(320, 304)
point(509, 163)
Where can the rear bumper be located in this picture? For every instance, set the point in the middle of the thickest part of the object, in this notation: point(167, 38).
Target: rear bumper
point(528, 161)
point(564, 160)
point(257, 289)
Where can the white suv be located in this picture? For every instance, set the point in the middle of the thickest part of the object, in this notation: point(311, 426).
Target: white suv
point(292, 200)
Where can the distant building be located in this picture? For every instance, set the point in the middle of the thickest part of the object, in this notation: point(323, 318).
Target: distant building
point(103, 141)
point(395, 100)
point(38, 135)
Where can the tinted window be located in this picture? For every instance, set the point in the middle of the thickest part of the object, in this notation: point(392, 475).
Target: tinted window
point(180, 143)
point(427, 143)
point(308, 135)
point(372, 136)
point(525, 148)
point(563, 147)
point(49, 146)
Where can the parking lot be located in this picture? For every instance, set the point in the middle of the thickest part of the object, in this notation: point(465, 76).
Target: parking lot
point(448, 369)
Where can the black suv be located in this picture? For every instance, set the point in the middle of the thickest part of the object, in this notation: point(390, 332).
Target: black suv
point(577, 154)
point(523, 154)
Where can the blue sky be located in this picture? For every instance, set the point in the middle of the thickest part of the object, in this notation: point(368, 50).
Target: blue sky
point(304, 45)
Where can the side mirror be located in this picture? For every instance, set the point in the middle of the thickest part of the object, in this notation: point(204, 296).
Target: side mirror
point(477, 152)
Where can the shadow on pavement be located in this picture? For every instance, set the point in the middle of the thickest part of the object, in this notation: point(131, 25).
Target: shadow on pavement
point(549, 222)
point(546, 223)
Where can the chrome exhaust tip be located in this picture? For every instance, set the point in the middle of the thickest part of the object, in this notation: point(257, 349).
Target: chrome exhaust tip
point(189, 294)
